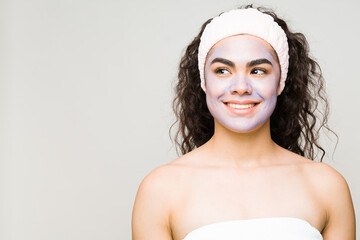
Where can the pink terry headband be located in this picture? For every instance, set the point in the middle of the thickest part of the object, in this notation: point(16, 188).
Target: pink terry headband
point(245, 21)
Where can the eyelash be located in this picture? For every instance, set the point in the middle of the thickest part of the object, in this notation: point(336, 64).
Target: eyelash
point(259, 69)
point(219, 70)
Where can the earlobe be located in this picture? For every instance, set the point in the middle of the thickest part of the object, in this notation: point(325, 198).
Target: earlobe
point(280, 88)
point(203, 87)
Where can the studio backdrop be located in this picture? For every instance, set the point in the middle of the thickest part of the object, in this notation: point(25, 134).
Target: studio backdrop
point(85, 103)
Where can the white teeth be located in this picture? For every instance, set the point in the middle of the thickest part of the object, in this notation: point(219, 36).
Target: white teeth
point(238, 106)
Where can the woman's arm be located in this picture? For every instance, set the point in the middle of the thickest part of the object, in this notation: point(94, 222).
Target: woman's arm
point(150, 218)
point(340, 209)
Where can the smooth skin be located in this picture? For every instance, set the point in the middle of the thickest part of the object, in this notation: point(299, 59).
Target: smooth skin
point(241, 173)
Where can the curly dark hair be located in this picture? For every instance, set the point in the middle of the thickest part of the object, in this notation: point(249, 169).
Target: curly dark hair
point(297, 119)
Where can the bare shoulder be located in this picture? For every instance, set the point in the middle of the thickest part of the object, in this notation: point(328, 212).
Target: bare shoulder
point(327, 180)
point(326, 177)
point(163, 179)
point(323, 172)
point(317, 172)
point(336, 197)
point(159, 184)
point(151, 210)
point(159, 177)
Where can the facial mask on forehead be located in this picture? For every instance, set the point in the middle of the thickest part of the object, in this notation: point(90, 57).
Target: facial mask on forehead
point(245, 21)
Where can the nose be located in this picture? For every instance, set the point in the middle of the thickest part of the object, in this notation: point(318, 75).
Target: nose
point(241, 85)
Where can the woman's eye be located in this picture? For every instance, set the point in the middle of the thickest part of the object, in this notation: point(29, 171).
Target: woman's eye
point(222, 71)
point(259, 71)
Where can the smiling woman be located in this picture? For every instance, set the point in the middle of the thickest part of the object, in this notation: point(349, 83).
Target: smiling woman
point(245, 104)
point(242, 82)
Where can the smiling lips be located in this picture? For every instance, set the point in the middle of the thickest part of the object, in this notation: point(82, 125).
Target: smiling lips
point(241, 107)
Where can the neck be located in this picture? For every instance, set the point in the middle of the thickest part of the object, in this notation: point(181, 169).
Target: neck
point(251, 149)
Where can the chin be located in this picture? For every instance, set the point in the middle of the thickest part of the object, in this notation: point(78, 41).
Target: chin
point(248, 128)
point(244, 130)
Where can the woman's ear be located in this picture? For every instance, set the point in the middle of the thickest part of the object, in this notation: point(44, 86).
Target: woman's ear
point(280, 88)
point(203, 86)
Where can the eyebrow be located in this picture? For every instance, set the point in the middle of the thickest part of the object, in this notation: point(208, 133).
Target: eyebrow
point(224, 61)
point(258, 62)
point(249, 64)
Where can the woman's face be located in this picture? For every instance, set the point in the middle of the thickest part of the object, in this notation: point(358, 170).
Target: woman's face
point(241, 80)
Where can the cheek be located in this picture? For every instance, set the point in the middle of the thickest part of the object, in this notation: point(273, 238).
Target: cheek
point(215, 92)
point(268, 93)
point(267, 88)
point(215, 88)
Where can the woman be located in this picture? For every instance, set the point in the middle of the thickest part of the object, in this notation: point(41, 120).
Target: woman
point(245, 102)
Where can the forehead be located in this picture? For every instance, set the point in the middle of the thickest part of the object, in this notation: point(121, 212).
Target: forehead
point(242, 47)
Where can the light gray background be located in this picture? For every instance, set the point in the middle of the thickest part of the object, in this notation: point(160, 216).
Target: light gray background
point(85, 97)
